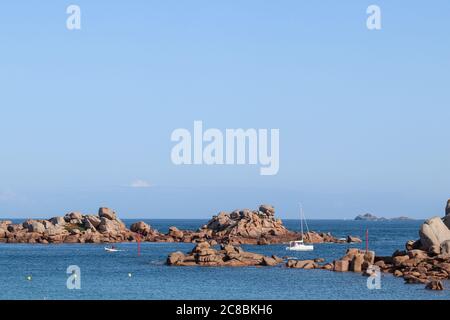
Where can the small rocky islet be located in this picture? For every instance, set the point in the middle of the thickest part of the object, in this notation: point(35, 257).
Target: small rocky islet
point(259, 227)
point(371, 217)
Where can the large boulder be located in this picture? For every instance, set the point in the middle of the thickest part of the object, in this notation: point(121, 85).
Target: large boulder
point(58, 221)
point(5, 223)
point(269, 261)
point(174, 258)
point(447, 208)
point(302, 264)
point(433, 233)
point(94, 220)
point(75, 215)
point(109, 226)
point(399, 260)
point(34, 226)
point(13, 228)
point(419, 254)
point(267, 209)
point(341, 266)
point(357, 263)
point(87, 224)
point(352, 239)
point(175, 233)
point(140, 227)
point(107, 213)
point(55, 230)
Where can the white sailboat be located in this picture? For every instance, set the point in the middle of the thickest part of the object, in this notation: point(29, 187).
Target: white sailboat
point(299, 245)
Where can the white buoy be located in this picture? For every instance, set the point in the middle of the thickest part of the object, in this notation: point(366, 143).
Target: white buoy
point(29, 278)
point(129, 275)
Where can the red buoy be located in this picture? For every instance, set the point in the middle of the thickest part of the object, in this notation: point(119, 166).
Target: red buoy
point(139, 245)
point(367, 240)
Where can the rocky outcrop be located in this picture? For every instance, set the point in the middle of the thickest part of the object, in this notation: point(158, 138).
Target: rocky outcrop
point(355, 260)
point(244, 226)
point(107, 213)
point(414, 266)
point(259, 227)
point(73, 227)
point(227, 256)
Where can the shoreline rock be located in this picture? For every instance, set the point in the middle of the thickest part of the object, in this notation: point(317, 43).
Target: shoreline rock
point(424, 261)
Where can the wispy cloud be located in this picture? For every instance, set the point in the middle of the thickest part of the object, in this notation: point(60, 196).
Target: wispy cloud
point(140, 184)
point(7, 196)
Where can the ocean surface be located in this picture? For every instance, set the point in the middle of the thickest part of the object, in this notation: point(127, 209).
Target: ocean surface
point(125, 275)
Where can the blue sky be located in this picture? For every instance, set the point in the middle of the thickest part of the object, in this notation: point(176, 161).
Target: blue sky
point(363, 115)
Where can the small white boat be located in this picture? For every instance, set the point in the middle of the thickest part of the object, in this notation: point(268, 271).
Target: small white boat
point(111, 249)
point(299, 245)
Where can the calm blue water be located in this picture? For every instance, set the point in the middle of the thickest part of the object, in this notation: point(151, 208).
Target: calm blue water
point(105, 276)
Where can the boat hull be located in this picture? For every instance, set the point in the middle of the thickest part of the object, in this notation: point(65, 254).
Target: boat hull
point(300, 248)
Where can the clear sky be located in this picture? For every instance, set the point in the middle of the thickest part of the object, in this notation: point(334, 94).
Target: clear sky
point(87, 114)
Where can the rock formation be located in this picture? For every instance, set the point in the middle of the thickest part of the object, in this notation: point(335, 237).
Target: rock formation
point(415, 266)
point(74, 227)
point(228, 256)
point(238, 227)
point(246, 226)
point(259, 227)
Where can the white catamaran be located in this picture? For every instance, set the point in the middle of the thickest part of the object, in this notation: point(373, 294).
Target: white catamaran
point(299, 245)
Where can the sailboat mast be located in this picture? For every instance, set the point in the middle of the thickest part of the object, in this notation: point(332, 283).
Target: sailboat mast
point(301, 220)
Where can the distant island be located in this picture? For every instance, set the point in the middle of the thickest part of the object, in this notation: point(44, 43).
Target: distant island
point(371, 217)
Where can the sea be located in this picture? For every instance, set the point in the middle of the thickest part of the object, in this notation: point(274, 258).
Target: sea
point(39, 272)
